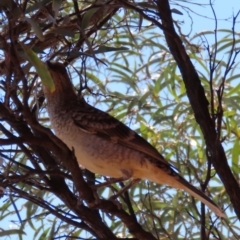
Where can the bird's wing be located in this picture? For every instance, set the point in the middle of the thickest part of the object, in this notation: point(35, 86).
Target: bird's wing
point(103, 125)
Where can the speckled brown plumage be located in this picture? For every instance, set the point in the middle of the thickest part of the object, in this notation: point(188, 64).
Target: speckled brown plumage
point(106, 146)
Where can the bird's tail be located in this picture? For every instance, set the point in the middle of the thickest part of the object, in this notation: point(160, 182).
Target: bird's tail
point(168, 176)
point(202, 197)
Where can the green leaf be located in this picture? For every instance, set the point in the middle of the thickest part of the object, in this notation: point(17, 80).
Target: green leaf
point(44, 234)
point(35, 28)
point(51, 234)
point(11, 232)
point(103, 49)
point(88, 16)
point(234, 90)
point(40, 67)
point(96, 80)
point(174, 10)
point(56, 4)
point(236, 156)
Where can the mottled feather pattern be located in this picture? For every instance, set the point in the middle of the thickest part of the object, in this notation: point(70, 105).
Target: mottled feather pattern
point(172, 173)
point(95, 121)
point(105, 145)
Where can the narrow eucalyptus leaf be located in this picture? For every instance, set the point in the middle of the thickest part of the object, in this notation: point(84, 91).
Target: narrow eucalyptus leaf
point(40, 67)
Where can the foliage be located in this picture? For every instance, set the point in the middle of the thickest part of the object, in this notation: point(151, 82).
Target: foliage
point(120, 55)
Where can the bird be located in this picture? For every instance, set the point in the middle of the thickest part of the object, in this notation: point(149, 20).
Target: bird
point(105, 145)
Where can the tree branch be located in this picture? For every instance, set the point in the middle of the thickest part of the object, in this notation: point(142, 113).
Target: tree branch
point(199, 105)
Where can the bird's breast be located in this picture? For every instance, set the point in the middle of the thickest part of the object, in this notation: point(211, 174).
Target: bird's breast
point(96, 154)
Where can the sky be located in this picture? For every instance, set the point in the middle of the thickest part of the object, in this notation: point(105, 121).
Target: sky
point(204, 18)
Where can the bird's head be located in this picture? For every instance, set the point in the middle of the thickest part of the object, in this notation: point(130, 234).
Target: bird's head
point(63, 85)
